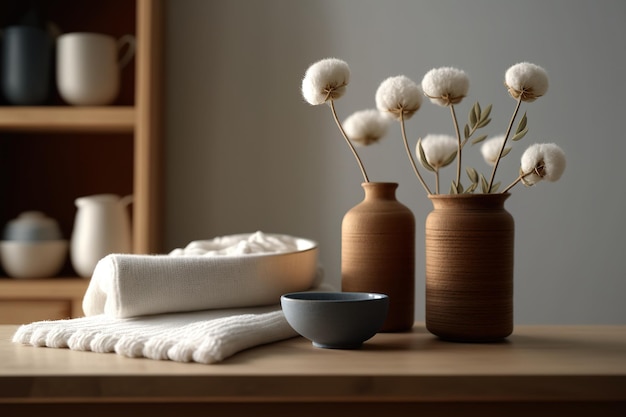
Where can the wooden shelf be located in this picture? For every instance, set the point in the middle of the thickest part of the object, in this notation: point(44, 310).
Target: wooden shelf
point(68, 119)
point(27, 300)
point(54, 153)
point(47, 288)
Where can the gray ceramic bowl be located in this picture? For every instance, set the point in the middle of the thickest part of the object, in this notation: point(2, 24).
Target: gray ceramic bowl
point(338, 320)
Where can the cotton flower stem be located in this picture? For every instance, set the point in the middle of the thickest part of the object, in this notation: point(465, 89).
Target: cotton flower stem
point(506, 136)
point(343, 133)
point(437, 182)
point(514, 183)
point(458, 136)
point(408, 151)
point(521, 177)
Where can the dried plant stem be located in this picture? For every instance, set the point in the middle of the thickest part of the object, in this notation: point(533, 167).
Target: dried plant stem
point(408, 151)
point(460, 146)
point(343, 133)
point(537, 170)
point(506, 137)
point(437, 182)
point(514, 183)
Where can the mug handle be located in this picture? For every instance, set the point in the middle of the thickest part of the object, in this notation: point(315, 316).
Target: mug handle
point(129, 41)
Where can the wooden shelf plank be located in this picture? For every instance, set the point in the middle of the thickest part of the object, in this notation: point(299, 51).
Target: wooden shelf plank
point(42, 289)
point(68, 119)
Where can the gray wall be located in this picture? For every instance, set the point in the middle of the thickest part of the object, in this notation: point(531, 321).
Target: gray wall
point(245, 153)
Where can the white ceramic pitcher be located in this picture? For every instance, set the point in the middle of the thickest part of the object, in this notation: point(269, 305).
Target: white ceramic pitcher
point(101, 227)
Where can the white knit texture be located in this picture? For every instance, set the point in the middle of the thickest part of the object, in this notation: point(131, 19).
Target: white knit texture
point(185, 308)
point(204, 336)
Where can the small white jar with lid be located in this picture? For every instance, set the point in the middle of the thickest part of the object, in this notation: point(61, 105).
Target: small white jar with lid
point(32, 226)
point(33, 246)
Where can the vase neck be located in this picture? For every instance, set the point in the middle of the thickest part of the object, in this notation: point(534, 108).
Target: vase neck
point(380, 190)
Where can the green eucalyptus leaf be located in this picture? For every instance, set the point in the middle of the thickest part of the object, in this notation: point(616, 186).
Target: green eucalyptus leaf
point(522, 124)
point(505, 152)
point(472, 174)
point(484, 115)
point(519, 135)
point(484, 123)
point(423, 159)
point(494, 187)
point(472, 116)
point(456, 189)
point(466, 132)
point(471, 188)
point(484, 184)
point(479, 139)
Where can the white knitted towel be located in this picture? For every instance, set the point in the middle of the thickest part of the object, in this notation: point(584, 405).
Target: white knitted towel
point(203, 336)
point(125, 285)
point(186, 306)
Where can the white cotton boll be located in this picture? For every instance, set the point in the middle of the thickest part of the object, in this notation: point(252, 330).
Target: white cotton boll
point(445, 86)
point(325, 80)
point(554, 159)
point(531, 158)
point(527, 80)
point(438, 149)
point(365, 127)
point(542, 161)
point(398, 96)
point(491, 148)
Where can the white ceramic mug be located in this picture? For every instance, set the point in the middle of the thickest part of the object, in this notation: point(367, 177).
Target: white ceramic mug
point(88, 66)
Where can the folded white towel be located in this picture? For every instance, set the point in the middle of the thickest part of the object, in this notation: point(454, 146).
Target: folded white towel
point(201, 304)
point(126, 285)
point(202, 336)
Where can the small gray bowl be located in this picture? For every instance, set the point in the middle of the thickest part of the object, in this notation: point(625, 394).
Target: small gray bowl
point(335, 320)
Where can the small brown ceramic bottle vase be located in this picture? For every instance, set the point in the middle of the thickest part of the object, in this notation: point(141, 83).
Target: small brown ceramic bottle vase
point(378, 252)
point(469, 267)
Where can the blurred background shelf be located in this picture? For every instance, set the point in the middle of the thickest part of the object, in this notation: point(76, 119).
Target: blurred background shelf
point(26, 300)
point(68, 119)
point(54, 153)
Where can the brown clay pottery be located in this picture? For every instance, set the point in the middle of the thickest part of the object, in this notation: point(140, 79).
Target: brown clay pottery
point(378, 252)
point(469, 267)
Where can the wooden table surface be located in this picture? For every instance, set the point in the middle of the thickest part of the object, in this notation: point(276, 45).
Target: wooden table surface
point(580, 370)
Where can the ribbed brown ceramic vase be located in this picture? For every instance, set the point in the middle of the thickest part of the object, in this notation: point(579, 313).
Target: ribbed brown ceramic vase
point(469, 267)
point(378, 252)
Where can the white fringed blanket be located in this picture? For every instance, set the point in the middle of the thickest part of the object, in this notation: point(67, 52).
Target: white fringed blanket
point(205, 336)
point(182, 307)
